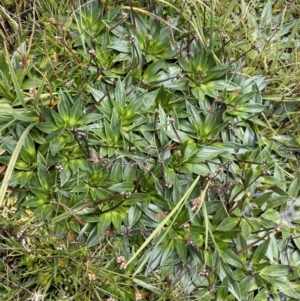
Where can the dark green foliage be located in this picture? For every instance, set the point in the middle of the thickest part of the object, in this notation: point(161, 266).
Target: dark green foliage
point(147, 151)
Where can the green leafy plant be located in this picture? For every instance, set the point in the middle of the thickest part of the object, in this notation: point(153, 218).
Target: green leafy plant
point(149, 151)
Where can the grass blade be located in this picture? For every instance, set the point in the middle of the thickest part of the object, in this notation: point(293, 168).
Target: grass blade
point(12, 163)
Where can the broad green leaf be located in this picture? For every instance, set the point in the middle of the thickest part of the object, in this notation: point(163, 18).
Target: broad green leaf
point(64, 107)
point(260, 251)
point(122, 46)
point(251, 108)
point(103, 224)
point(177, 136)
point(216, 72)
point(228, 224)
point(168, 255)
point(231, 258)
point(27, 157)
point(64, 176)
point(262, 295)
point(181, 249)
point(116, 172)
point(33, 202)
point(58, 144)
point(205, 153)
point(60, 121)
point(246, 228)
point(222, 292)
point(120, 98)
point(23, 177)
point(39, 192)
point(93, 239)
point(76, 112)
point(232, 284)
point(262, 198)
point(47, 127)
point(81, 188)
point(25, 116)
point(275, 270)
point(43, 174)
point(97, 94)
point(155, 258)
point(163, 138)
point(121, 187)
point(116, 219)
point(272, 215)
point(284, 286)
point(294, 187)
point(152, 69)
point(247, 285)
point(198, 169)
point(134, 215)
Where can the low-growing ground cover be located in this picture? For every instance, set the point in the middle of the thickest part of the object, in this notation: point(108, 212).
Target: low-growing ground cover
point(149, 150)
